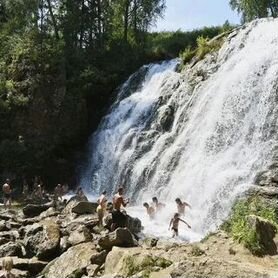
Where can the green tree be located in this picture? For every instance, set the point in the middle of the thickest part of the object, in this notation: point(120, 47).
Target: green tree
point(252, 9)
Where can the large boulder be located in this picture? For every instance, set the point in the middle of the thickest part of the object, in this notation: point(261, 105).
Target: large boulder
point(74, 259)
point(84, 208)
point(121, 237)
point(32, 210)
point(134, 224)
point(127, 262)
point(265, 232)
point(43, 243)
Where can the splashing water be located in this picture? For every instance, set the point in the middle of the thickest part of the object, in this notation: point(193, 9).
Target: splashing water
point(201, 135)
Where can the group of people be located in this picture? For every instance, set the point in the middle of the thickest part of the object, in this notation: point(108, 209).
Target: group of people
point(35, 192)
point(154, 209)
point(119, 216)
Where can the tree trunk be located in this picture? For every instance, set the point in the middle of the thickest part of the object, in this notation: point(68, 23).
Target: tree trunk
point(53, 19)
point(126, 14)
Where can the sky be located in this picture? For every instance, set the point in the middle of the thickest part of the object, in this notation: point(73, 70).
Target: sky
point(192, 14)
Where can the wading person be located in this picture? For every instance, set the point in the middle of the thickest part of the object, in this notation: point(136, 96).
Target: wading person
point(174, 224)
point(181, 206)
point(118, 217)
point(158, 206)
point(7, 193)
point(101, 209)
point(150, 210)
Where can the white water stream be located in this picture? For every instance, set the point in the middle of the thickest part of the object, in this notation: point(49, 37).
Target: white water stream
point(165, 137)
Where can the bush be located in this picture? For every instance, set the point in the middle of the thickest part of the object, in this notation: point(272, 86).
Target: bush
point(239, 228)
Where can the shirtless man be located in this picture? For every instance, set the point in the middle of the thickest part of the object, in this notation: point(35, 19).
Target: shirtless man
point(150, 210)
point(158, 206)
point(118, 218)
point(7, 191)
point(101, 209)
point(174, 224)
point(181, 206)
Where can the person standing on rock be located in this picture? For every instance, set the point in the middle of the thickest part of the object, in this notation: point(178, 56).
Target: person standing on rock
point(118, 217)
point(174, 224)
point(101, 209)
point(7, 265)
point(7, 192)
point(158, 206)
point(150, 211)
point(181, 206)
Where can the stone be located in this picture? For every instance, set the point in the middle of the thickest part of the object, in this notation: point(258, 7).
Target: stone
point(132, 261)
point(11, 249)
point(84, 208)
point(64, 244)
point(44, 243)
point(99, 258)
point(266, 233)
point(32, 210)
point(76, 257)
point(17, 273)
point(134, 224)
point(82, 234)
point(121, 237)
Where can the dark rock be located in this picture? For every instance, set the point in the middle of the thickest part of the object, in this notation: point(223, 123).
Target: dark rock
point(99, 258)
point(32, 210)
point(265, 232)
point(121, 237)
point(11, 249)
point(134, 224)
point(84, 208)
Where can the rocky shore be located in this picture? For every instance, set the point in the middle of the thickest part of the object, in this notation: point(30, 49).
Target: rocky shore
point(67, 242)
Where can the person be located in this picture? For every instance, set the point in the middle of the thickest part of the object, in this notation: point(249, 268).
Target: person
point(150, 210)
point(158, 206)
point(118, 217)
point(181, 206)
point(80, 196)
point(58, 192)
point(101, 209)
point(65, 189)
point(7, 265)
point(174, 224)
point(25, 189)
point(7, 191)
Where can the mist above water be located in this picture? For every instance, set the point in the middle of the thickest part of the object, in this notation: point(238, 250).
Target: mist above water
point(201, 135)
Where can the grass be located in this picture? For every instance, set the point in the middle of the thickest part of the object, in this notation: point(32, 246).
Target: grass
point(239, 227)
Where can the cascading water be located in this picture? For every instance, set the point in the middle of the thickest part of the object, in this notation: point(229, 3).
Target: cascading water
point(201, 135)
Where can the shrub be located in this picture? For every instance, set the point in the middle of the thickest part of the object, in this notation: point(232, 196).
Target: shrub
point(239, 228)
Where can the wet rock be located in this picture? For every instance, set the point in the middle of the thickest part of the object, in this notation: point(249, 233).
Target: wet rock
point(75, 258)
point(134, 224)
point(265, 233)
point(32, 210)
point(11, 249)
point(84, 208)
point(121, 237)
point(150, 242)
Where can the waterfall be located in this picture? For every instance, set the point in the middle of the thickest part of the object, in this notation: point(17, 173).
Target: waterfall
point(201, 134)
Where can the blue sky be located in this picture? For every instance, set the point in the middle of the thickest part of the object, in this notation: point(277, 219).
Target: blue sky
point(191, 14)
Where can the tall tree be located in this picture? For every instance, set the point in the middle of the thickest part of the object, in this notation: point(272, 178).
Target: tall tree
point(252, 9)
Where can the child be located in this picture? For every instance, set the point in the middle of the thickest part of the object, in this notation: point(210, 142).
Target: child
point(150, 210)
point(7, 265)
point(175, 224)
